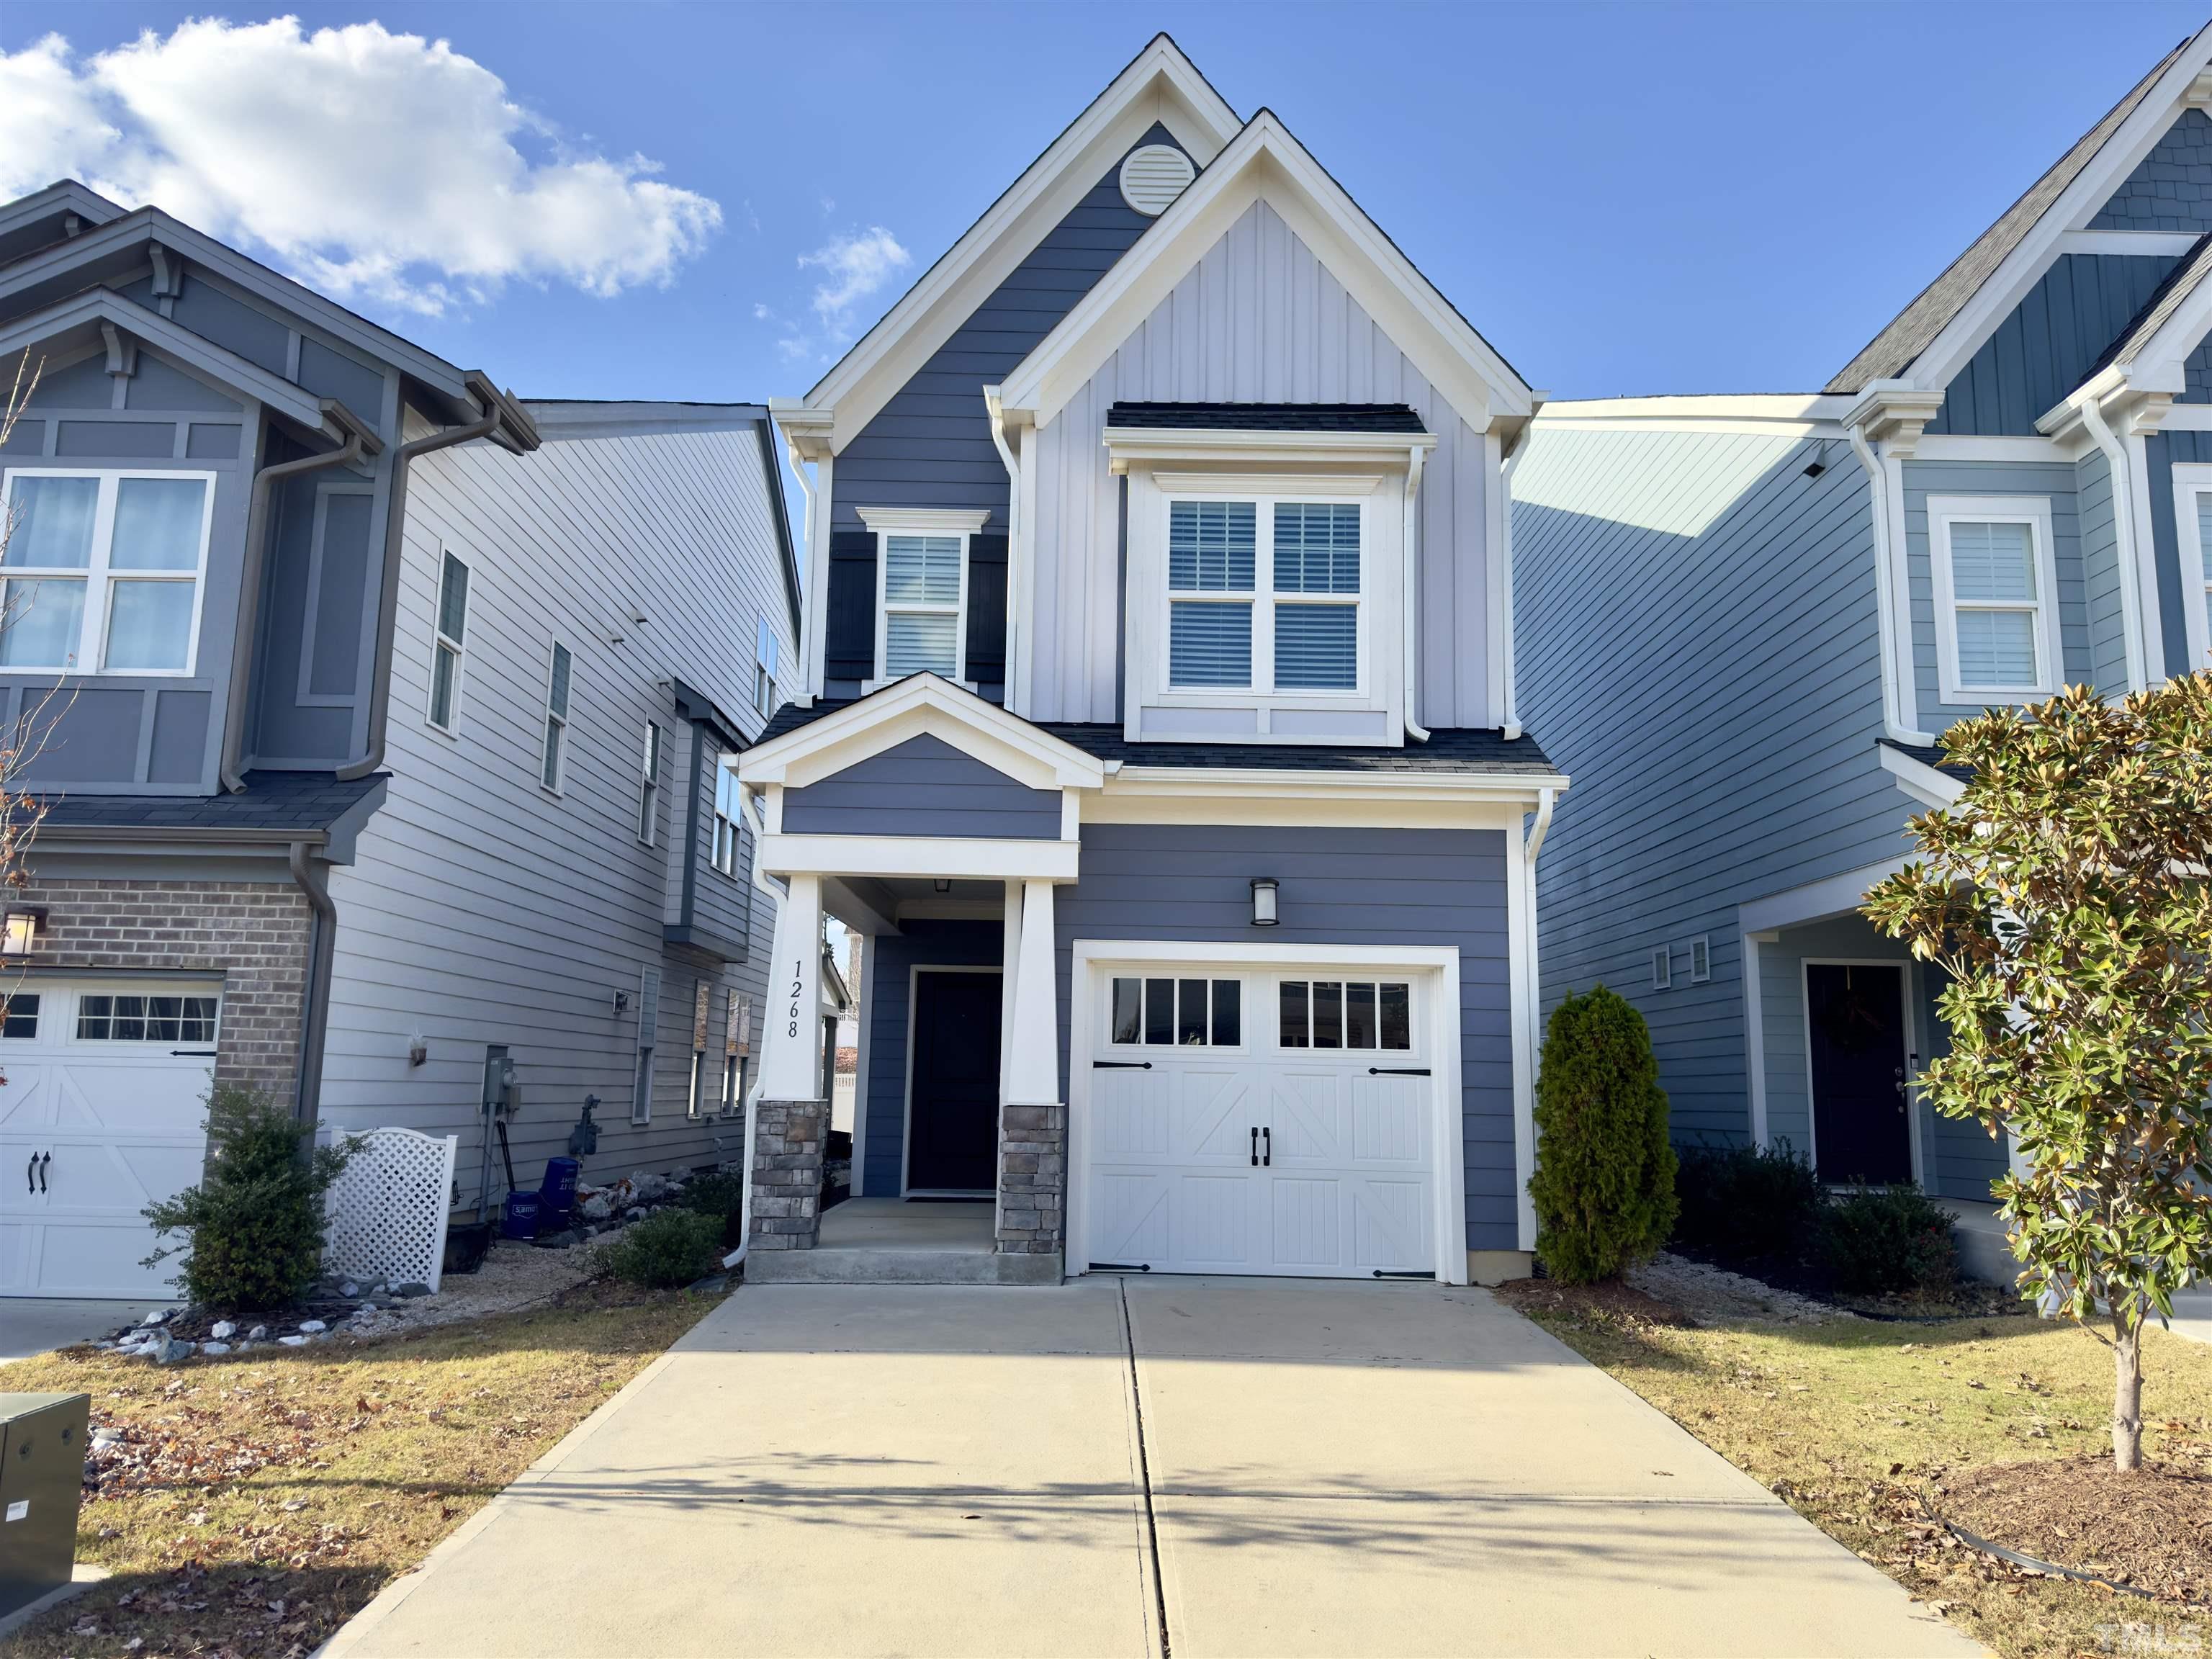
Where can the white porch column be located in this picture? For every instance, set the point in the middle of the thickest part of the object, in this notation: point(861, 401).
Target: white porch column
point(1010, 956)
point(791, 1042)
point(1033, 1058)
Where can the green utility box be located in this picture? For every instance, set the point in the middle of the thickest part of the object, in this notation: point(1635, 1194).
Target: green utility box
point(42, 1439)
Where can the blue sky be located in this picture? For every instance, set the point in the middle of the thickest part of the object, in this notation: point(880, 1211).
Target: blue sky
point(1624, 199)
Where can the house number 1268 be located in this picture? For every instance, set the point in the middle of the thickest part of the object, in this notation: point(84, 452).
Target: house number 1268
point(797, 990)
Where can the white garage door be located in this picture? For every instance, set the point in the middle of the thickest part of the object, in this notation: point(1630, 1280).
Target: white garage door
point(1278, 1122)
point(101, 1113)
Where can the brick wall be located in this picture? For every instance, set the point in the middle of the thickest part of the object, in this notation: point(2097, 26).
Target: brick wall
point(252, 935)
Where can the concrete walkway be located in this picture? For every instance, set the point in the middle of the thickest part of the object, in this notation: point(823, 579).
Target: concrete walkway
point(36, 1324)
point(1306, 1467)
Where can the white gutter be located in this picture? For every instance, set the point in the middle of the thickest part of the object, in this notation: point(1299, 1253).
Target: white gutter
point(1894, 706)
point(1013, 693)
point(1546, 799)
point(2123, 538)
point(1506, 557)
point(1415, 455)
point(816, 601)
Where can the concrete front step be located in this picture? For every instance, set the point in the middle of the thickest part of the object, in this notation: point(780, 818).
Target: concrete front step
point(894, 1267)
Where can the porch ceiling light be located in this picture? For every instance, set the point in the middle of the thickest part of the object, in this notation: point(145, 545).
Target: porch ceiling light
point(944, 884)
point(23, 924)
point(1263, 902)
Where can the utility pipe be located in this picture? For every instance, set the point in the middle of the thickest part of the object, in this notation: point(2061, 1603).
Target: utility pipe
point(815, 612)
point(1013, 692)
point(2124, 538)
point(359, 441)
point(315, 997)
point(1409, 582)
point(499, 416)
point(1893, 714)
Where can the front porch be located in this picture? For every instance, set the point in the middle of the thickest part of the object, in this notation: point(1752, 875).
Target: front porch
point(903, 1241)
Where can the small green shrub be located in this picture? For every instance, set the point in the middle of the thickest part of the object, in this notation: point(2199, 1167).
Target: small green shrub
point(669, 1248)
point(722, 1196)
point(253, 1228)
point(1887, 1241)
point(1604, 1186)
point(1748, 1204)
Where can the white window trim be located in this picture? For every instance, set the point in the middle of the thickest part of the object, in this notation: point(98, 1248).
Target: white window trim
point(98, 578)
point(1701, 960)
point(2034, 512)
point(730, 824)
point(439, 637)
point(889, 522)
point(648, 786)
point(1662, 968)
point(2191, 480)
point(767, 661)
point(555, 717)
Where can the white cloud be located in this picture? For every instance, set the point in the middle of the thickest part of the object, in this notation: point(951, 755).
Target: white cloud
point(374, 165)
point(855, 266)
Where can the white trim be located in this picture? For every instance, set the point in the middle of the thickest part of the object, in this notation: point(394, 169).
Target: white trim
point(2186, 417)
point(440, 640)
point(1140, 446)
point(548, 716)
point(864, 1016)
point(962, 858)
point(2163, 244)
point(647, 827)
point(1159, 85)
point(1900, 710)
point(1754, 1031)
point(2189, 479)
point(917, 523)
point(1701, 945)
point(1449, 1159)
point(913, 972)
point(1905, 1037)
point(1765, 414)
point(1264, 162)
point(1924, 783)
point(1380, 810)
point(1816, 900)
point(1662, 968)
point(1523, 1008)
point(921, 703)
point(1942, 447)
point(2034, 512)
point(1294, 783)
point(924, 520)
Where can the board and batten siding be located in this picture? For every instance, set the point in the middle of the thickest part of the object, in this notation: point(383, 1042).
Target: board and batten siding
point(1698, 650)
point(923, 786)
point(1340, 887)
point(2163, 451)
point(481, 908)
point(1259, 319)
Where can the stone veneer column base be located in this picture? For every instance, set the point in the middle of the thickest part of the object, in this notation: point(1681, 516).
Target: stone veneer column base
point(786, 1174)
point(1032, 1180)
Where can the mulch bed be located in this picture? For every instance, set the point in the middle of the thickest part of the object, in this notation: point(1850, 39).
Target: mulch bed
point(2151, 1530)
point(1612, 1300)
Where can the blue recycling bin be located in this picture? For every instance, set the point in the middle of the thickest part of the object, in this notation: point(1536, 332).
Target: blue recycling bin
point(556, 1194)
point(521, 1219)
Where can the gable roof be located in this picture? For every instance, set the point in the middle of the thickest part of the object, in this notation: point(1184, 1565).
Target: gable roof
point(2183, 281)
point(1159, 85)
point(1909, 335)
point(1265, 161)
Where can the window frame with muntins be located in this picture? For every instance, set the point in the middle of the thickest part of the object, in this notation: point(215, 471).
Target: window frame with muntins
point(1953, 522)
point(944, 534)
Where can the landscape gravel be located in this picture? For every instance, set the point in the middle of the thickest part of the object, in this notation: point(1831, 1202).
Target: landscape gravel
point(1713, 1295)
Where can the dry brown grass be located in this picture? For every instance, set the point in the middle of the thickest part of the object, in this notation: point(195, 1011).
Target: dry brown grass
point(1851, 1421)
point(258, 1503)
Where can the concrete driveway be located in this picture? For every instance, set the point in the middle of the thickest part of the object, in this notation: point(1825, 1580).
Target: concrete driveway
point(1272, 1467)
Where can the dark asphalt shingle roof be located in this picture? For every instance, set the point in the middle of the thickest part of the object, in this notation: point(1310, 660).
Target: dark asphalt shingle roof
point(1910, 332)
point(301, 801)
point(1461, 750)
point(1268, 417)
point(2177, 285)
point(1929, 755)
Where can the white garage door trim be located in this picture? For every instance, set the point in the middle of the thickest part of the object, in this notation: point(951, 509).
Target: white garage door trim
point(1439, 966)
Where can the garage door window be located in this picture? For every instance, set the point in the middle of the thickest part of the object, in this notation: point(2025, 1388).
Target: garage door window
point(1184, 1013)
point(1346, 1014)
point(145, 1019)
point(22, 1016)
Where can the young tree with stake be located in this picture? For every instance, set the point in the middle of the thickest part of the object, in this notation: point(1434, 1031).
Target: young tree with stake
point(2067, 894)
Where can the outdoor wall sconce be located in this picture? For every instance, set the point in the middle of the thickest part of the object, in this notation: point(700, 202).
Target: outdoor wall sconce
point(23, 924)
point(944, 884)
point(418, 1050)
point(1263, 902)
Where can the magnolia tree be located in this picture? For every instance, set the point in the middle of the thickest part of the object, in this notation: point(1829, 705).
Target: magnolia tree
point(2066, 892)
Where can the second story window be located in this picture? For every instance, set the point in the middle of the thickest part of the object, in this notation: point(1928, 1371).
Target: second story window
point(448, 634)
point(557, 717)
point(103, 570)
point(2192, 513)
point(1997, 619)
point(726, 815)
point(648, 788)
point(764, 669)
point(921, 590)
point(1264, 595)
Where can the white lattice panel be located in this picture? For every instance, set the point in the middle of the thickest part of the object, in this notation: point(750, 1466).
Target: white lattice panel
point(387, 1209)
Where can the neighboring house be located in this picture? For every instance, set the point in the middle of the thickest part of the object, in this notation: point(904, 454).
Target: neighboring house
point(384, 725)
point(1154, 726)
point(1745, 622)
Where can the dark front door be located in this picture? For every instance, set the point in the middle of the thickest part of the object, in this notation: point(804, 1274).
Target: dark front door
point(1860, 1130)
point(952, 1132)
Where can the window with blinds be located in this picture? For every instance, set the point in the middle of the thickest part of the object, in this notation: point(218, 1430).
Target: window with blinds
point(1992, 603)
point(922, 594)
point(1292, 627)
point(2203, 573)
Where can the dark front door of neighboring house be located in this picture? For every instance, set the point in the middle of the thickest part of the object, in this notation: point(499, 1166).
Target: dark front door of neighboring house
point(952, 1130)
point(1860, 1128)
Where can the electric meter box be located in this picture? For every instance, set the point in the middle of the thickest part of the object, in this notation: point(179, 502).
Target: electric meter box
point(42, 1439)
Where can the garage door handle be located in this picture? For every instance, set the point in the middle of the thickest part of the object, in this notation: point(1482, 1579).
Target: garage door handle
point(44, 1158)
point(1267, 1156)
point(30, 1176)
point(1255, 1148)
point(193, 1054)
point(1121, 1065)
point(1398, 1071)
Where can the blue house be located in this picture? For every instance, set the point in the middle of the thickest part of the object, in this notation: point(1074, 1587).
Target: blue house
point(1745, 621)
point(1154, 729)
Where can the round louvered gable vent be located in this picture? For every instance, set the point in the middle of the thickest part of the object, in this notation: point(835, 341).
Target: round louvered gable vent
point(1154, 176)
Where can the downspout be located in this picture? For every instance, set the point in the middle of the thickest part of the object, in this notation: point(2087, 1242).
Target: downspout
point(359, 441)
point(1015, 699)
point(2123, 538)
point(1505, 557)
point(395, 530)
point(814, 613)
point(1892, 720)
point(1410, 584)
point(315, 996)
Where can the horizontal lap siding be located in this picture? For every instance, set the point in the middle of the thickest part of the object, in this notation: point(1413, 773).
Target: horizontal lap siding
point(891, 960)
point(2104, 614)
point(1440, 887)
point(1698, 651)
point(2164, 450)
point(482, 909)
point(923, 786)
